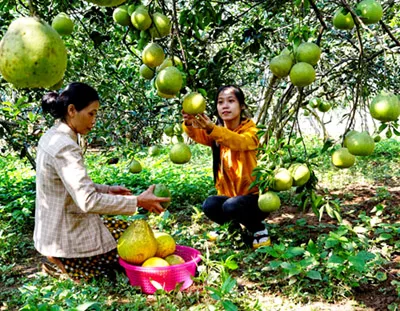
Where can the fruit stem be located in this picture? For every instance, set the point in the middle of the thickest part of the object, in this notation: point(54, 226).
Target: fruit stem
point(31, 8)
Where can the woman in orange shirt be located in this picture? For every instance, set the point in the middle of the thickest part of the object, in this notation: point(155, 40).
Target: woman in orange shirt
point(233, 139)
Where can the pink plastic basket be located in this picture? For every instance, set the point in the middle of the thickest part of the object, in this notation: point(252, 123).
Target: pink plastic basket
point(152, 278)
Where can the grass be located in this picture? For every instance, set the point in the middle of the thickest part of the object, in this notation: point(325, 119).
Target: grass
point(308, 261)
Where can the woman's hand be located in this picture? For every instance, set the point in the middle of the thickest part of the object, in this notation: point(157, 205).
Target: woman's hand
point(204, 122)
point(119, 190)
point(188, 118)
point(150, 202)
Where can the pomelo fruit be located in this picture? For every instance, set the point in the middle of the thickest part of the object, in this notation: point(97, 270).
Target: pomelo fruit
point(194, 103)
point(161, 26)
point(300, 174)
point(180, 153)
point(342, 158)
point(377, 138)
point(131, 8)
point(324, 106)
point(169, 130)
point(174, 259)
point(154, 150)
point(169, 81)
point(121, 16)
point(165, 244)
point(146, 72)
point(308, 52)
point(168, 62)
point(32, 54)
point(162, 191)
point(346, 137)
point(165, 95)
point(360, 144)
point(343, 20)
point(302, 74)
point(315, 102)
point(155, 262)
point(63, 24)
point(385, 107)
point(135, 167)
point(269, 202)
point(141, 19)
point(137, 243)
point(153, 55)
point(288, 52)
point(280, 65)
point(283, 180)
point(106, 2)
point(370, 11)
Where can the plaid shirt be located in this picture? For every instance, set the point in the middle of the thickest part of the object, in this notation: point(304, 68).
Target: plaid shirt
point(68, 202)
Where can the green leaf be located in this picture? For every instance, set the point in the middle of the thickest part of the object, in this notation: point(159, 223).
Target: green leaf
point(314, 275)
point(335, 260)
point(311, 247)
point(229, 305)
point(293, 252)
point(228, 284)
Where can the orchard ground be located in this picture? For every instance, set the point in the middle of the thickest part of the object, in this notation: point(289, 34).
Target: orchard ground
point(368, 195)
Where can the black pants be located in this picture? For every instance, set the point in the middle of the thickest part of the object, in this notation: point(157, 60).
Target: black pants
point(242, 209)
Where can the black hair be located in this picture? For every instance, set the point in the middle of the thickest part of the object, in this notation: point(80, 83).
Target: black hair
point(216, 149)
point(79, 94)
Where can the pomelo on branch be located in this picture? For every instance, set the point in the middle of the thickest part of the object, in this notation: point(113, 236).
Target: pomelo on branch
point(280, 65)
point(324, 106)
point(360, 144)
point(169, 130)
point(155, 262)
point(287, 51)
point(282, 180)
point(169, 81)
point(165, 244)
point(106, 2)
point(342, 158)
point(377, 138)
point(174, 259)
point(131, 8)
point(169, 61)
point(343, 20)
point(135, 167)
point(385, 107)
point(161, 94)
point(161, 26)
point(121, 16)
point(308, 52)
point(140, 18)
point(162, 191)
point(300, 174)
point(137, 243)
point(315, 102)
point(370, 11)
point(146, 72)
point(269, 202)
point(153, 55)
point(63, 24)
point(180, 153)
point(32, 54)
point(154, 150)
point(347, 135)
point(194, 103)
point(302, 74)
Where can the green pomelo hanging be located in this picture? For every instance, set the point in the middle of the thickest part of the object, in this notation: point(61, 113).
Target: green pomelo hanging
point(269, 202)
point(32, 54)
point(343, 20)
point(63, 24)
point(385, 107)
point(180, 153)
point(106, 2)
point(360, 144)
point(280, 65)
point(308, 52)
point(342, 158)
point(162, 191)
point(161, 26)
point(169, 81)
point(302, 74)
point(194, 103)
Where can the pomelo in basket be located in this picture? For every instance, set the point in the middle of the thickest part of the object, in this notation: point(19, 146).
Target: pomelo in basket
point(360, 144)
point(155, 262)
point(194, 103)
point(180, 153)
point(162, 191)
point(174, 259)
point(137, 243)
point(165, 244)
point(385, 107)
point(342, 158)
point(269, 202)
point(32, 54)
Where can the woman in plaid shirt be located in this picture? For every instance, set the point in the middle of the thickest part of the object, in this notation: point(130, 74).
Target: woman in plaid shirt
point(69, 229)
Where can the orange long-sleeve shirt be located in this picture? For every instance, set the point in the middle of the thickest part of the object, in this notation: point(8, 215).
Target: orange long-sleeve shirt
point(238, 154)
